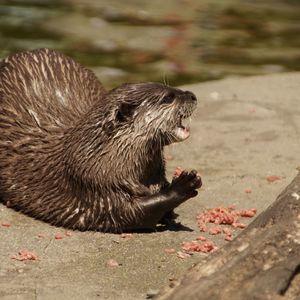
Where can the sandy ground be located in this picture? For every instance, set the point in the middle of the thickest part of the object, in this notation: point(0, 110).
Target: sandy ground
point(244, 130)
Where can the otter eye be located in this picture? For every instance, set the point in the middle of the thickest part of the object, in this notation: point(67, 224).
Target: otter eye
point(125, 112)
point(169, 98)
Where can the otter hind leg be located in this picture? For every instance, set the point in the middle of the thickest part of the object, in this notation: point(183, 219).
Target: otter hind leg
point(156, 206)
point(168, 218)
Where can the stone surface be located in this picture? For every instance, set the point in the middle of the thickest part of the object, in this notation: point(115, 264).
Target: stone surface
point(243, 130)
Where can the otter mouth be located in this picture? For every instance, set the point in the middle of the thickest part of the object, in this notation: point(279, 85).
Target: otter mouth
point(181, 132)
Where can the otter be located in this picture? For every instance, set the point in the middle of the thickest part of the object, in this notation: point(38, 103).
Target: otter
point(78, 156)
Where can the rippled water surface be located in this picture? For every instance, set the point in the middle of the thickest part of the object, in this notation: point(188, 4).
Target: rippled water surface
point(177, 41)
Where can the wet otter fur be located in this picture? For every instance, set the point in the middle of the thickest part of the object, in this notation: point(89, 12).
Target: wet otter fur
point(74, 155)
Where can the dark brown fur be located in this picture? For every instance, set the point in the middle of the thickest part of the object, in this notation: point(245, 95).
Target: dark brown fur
point(75, 155)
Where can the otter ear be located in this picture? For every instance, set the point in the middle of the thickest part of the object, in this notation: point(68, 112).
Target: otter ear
point(125, 112)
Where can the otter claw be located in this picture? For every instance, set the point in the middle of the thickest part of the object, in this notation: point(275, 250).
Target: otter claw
point(197, 182)
point(186, 183)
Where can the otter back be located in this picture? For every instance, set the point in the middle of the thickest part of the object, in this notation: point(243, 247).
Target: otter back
point(46, 88)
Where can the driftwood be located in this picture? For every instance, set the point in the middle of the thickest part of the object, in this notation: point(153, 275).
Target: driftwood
point(263, 262)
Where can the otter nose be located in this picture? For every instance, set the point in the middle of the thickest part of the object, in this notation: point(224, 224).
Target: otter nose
point(189, 96)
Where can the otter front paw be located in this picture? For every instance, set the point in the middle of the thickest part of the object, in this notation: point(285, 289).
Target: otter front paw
point(186, 184)
point(156, 206)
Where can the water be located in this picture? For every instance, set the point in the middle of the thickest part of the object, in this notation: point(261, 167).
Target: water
point(179, 41)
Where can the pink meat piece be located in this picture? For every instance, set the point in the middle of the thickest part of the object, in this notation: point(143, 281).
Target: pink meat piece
point(196, 247)
point(215, 230)
point(273, 178)
point(182, 255)
point(112, 263)
point(178, 171)
point(25, 255)
point(170, 250)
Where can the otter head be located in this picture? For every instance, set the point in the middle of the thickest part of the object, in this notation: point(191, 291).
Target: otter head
point(152, 111)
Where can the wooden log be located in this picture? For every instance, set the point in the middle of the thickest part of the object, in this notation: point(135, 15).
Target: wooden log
point(263, 262)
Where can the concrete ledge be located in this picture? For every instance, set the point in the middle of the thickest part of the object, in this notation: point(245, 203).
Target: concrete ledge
point(244, 130)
